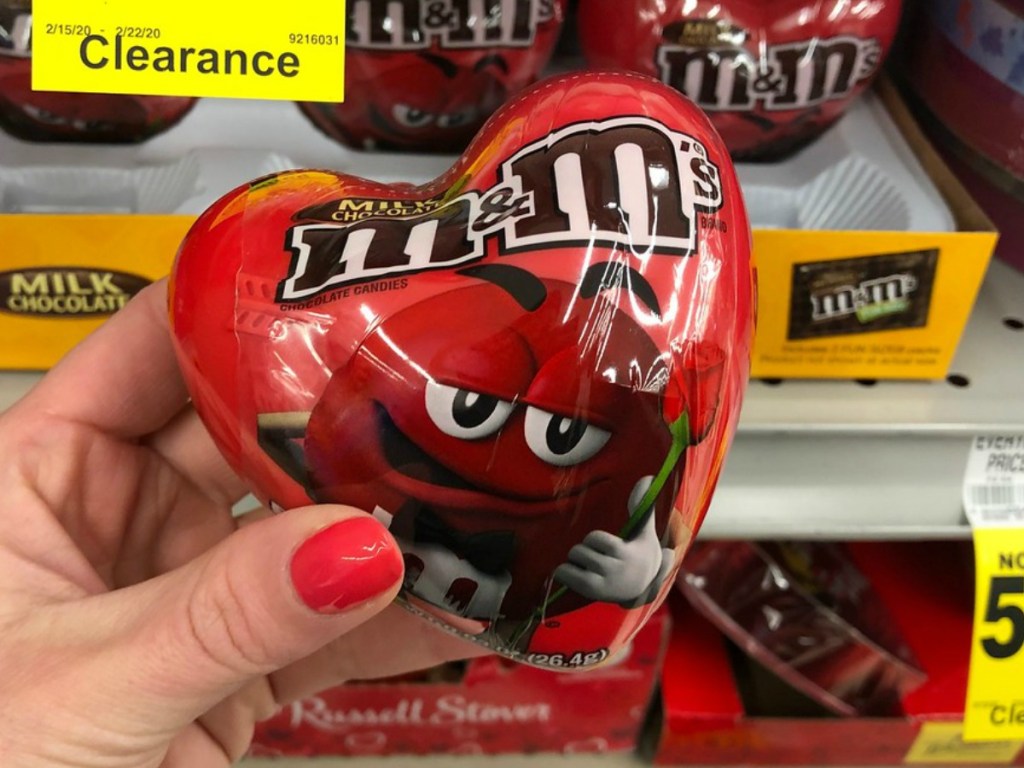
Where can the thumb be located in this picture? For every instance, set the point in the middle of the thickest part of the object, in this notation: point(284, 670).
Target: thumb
point(270, 594)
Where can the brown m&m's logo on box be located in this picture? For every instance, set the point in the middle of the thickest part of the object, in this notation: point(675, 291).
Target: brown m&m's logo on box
point(861, 295)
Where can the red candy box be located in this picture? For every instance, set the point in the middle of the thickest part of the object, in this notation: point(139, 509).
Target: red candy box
point(772, 74)
point(424, 75)
point(804, 611)
point(58, 116)
point(529, 369)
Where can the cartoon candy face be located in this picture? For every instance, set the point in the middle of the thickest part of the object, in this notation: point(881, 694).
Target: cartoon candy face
point(499, 441)
point(426, 74)
point(529, 369)
point(59, 116)
point(422, 100)
point(770, 75)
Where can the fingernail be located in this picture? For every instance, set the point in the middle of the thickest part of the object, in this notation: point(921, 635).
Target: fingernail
point(345, 564)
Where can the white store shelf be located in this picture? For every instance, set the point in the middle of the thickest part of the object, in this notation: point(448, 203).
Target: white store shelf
point(842, 460)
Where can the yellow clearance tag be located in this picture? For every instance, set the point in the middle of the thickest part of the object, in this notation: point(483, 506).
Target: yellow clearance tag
point(994, 502)
point(226, 48)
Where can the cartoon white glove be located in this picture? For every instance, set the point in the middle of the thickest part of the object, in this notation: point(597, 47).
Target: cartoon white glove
point(607, 568)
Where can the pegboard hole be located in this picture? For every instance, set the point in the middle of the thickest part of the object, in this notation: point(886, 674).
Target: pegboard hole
point(1014, 323)
point(958, 380)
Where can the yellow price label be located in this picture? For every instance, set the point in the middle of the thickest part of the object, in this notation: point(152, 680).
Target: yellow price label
point(228, 48)
point(942, 743)
point(995, 687)
point(994, 502)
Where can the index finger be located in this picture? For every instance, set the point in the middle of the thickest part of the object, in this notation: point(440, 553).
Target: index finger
point(124, 378)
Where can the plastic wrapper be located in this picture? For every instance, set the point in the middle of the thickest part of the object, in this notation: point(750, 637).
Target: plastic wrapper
point(529, 369)
point(59, 116)
point(807, 614)
point(425, 76)
point(772, 74)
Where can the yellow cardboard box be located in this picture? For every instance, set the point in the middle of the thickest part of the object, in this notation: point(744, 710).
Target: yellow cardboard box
point(61, 275)
point(876, 305)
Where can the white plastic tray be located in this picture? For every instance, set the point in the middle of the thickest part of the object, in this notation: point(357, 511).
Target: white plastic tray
point(859, 175)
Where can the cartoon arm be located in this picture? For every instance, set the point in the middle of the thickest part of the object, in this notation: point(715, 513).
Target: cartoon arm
point(279, 435)
point(628, 570)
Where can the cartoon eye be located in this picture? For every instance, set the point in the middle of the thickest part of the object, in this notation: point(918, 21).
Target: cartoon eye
point(44, 116)
point(412, 117)
point(464, 413)
point(560, 440)
point(455, 119)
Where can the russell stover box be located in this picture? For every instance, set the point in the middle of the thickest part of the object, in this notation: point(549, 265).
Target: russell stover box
point(484, 706)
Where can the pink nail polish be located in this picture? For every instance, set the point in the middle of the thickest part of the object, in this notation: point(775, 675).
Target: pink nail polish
point(345, 564)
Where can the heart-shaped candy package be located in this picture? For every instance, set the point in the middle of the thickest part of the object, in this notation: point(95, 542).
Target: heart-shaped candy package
point(529, 369)
point(424, 75)
point(772, 74)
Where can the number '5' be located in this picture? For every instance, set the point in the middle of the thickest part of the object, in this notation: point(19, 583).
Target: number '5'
point(1004, 585)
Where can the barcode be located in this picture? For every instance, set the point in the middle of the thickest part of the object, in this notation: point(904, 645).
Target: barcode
point(1002, 496)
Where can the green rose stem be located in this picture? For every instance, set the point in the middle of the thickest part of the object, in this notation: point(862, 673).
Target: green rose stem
point(680, 431)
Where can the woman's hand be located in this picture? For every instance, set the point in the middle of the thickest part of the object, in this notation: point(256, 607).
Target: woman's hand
point(140, 623)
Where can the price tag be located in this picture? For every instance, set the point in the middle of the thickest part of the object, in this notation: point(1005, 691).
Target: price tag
point(994, 502)
point(942, 743)
point(228, 48)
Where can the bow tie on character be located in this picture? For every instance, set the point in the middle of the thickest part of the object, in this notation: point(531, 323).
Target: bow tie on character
point(490, 551)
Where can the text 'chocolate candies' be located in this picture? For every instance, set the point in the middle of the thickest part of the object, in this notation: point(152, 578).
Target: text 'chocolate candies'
point(424, 75)
point(772, 74)
point(59, 116)
point(529, 369)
